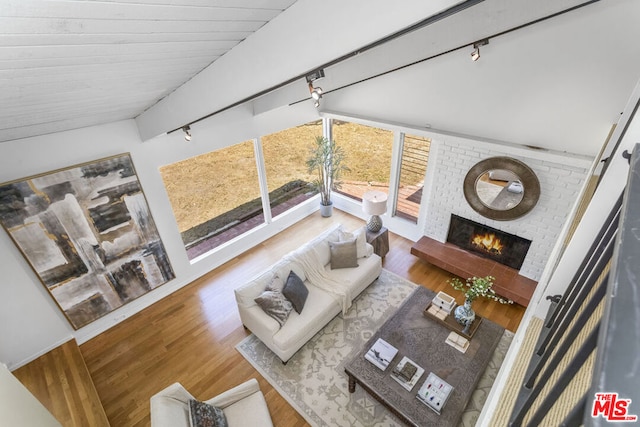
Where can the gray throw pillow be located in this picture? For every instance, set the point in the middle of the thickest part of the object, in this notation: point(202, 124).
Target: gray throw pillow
point(277, 284)
point(343, 254)
point(202, 414)
point(275, 305)
point(295, 291)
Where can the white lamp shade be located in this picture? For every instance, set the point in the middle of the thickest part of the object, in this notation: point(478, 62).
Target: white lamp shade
point(374, 202)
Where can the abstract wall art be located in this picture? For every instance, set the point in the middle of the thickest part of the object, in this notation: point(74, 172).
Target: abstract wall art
point(88, 234)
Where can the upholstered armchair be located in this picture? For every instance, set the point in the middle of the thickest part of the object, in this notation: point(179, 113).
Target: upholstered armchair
point(243, 405)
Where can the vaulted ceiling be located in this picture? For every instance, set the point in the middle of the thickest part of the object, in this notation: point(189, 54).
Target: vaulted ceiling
point(67, 64)
point(555, 74)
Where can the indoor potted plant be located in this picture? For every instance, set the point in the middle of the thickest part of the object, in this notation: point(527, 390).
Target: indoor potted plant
point(473, 288)
point(326, 161)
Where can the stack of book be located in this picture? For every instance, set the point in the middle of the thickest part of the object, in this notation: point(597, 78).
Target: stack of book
point(381, 354)
point(407, 373)
point(434, 392)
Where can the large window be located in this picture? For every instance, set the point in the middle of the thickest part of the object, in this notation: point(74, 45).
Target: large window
point(368, 155)
point(413, 167)
point(285, 154)
point(214, 196)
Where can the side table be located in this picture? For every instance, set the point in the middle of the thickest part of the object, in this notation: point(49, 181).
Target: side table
point(379, 240)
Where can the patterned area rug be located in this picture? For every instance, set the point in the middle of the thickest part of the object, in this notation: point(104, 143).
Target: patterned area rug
point(314, 381)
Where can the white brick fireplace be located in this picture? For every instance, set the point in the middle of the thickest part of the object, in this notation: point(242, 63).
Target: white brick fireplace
point(561, 178)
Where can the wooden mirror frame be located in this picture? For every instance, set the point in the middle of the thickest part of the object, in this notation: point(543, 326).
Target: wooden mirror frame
point(528, 178)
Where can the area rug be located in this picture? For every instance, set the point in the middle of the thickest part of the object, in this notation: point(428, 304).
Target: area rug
point(314, 381)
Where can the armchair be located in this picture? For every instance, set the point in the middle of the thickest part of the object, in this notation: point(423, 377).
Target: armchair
point(242, 405)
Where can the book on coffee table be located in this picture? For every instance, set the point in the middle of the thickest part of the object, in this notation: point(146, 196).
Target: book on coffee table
point(407, 373)
point(381, 354)
point(434, 392)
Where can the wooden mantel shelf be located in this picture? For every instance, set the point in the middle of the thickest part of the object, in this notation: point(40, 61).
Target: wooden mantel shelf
point(509, 283)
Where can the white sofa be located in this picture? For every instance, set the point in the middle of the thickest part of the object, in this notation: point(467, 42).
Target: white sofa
point(243, 405)
point(321, 305)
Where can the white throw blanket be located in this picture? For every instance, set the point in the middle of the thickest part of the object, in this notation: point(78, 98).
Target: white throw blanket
point(317, 275)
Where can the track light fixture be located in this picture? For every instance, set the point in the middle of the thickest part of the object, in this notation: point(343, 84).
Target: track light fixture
point(316, 92)
point(187, 132)
point(475, 55)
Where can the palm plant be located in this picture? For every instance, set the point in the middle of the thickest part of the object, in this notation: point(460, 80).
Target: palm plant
point(326, 161)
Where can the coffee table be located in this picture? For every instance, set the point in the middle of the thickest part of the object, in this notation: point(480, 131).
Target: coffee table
point(423, 340)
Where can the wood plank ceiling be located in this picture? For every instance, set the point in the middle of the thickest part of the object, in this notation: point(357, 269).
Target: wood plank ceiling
point(67, 64)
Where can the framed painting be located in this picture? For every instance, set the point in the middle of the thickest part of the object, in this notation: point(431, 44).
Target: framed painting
point(88, 234)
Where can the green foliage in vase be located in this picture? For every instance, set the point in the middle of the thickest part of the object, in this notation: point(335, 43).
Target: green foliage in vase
point(475, 287)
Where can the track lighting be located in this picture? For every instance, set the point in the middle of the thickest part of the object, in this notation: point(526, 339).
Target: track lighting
point(316, 92)
point(475, 55)
point(187, 132)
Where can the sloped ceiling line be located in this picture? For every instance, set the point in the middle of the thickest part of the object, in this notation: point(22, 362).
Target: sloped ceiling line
point(437, 55)
point(421, 24)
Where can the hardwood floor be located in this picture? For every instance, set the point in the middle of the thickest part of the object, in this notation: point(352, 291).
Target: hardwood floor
point(189, 336)
point(61, 382)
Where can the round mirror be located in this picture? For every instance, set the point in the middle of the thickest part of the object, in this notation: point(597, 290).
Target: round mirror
point(501, 188)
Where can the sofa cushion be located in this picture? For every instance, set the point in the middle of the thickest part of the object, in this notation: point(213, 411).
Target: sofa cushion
point(170, 407)
point(250, 411)
point(295, 291)
point(357, 279)
point(318, 248)
point(202, 414)
point(247, 293)
point(321, 307)
point(343, 254)
point(275, 305)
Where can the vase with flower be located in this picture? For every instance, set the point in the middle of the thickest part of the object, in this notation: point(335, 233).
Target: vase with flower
point(473, 288)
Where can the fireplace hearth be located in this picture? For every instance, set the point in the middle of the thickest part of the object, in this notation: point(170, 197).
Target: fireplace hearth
point(488, 242)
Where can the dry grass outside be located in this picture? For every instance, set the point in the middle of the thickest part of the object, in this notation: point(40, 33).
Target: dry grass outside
point(208, 185)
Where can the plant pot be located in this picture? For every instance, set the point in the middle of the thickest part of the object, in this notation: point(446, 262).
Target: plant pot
point(326, 210)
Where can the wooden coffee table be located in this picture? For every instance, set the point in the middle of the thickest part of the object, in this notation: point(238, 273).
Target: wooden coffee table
point(423, 341)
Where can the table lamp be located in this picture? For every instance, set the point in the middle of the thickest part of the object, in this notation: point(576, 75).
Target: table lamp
point(374, 203)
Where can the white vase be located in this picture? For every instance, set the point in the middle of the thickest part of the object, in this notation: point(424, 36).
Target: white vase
point(465, 315)
point(326, 210)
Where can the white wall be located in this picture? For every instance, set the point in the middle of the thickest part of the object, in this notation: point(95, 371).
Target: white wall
point(561, 177)
point(30, 321)
point(18, 407)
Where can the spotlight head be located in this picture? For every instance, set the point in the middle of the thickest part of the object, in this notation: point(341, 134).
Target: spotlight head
point(316, 93)
point(316, 104)
point(187, 132)
point(475, 55)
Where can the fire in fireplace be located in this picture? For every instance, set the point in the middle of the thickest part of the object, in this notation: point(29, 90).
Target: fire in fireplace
point(487, 242)
point(505, 248)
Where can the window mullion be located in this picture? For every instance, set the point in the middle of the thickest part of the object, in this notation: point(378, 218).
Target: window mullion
point(262, 180)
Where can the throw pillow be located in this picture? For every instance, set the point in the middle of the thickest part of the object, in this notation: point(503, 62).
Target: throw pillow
point(202, 414)
point(361, 240)
point(343, 254)
point(275, 305)
point(295, 291)
point(276, 284)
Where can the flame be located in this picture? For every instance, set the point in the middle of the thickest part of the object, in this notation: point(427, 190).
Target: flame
point(488, 242)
